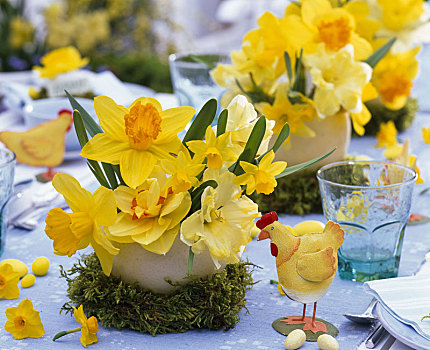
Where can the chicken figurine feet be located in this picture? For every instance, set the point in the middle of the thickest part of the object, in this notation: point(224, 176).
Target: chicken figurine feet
point(306, 266)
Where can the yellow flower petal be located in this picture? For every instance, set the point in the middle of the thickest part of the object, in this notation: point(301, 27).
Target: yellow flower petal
point(105, 258)
point(163, 244)
point(23, 321)
point(132, 160)
point(124, 196)
point(104, 209)
point(145, 100)
point(111, 117)
point(105, 149)
point(173, 121)
point(77, 198)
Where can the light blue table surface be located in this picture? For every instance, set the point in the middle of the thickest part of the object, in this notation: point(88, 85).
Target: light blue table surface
point(263, 300)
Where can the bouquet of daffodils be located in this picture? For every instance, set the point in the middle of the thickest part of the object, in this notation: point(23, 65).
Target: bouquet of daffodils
point(155, 187)
point(314, 62)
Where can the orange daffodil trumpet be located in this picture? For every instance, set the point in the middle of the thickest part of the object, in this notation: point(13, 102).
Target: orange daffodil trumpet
point(136, 137)
point(84, 226)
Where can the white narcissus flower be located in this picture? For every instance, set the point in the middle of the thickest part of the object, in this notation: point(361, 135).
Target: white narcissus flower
point(224, 223)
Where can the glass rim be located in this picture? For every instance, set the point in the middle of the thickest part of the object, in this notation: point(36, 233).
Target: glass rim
point(9, 161)
point(410, 180)
point(176, 57)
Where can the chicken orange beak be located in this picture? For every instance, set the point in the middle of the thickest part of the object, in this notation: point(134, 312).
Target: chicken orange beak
point(263, 235)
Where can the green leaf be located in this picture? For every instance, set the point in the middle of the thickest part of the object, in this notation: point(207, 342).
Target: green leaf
point(110, 174)
point(92, 127)
point(222, 122)
point(203, 119)
point(251, 147)
point(190, 260)
point(282, 136)
point(300, 77)
point(97, 171)
point(197, 194)
point(373, 59)
point(301, 166)
point(80, 128)
point(118, 174)
point(288, 66)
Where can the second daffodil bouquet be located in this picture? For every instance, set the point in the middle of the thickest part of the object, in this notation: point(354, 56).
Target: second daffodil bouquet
point(155, 187)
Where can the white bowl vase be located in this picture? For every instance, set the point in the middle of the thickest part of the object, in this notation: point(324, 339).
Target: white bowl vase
point(136, 264)
point(331, 132)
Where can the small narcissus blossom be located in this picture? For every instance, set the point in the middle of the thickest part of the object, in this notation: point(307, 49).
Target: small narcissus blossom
point(426, 135)
point(23, 321)
point(261, 177)
point(183, 171)
point(89, 328)
point(217, 150)
point(387, 135)
point(136, 137)
point(8, 282)
point(83, 227)
point(224, 223)
point(60, 61)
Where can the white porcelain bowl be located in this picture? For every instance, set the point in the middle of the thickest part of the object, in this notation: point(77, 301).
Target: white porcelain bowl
point(44, 110)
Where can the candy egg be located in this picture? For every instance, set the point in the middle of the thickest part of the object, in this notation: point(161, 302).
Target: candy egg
point(327, 342)
point(17, 266)
point(307, 227)
point(40, 266)
point(295, 339)
point(28, 281)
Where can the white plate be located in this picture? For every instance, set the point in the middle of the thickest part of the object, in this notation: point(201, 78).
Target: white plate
point(404, 333)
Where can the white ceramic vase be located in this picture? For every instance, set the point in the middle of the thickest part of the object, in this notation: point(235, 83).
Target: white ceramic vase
point(150, 270)
point(331, 132)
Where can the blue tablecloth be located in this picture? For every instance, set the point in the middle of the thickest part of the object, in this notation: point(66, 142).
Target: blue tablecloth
point(264, 302)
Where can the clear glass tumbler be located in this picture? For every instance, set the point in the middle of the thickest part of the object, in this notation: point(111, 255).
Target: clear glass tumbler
point(7, 172)
point(191, 79)
point(371, 202)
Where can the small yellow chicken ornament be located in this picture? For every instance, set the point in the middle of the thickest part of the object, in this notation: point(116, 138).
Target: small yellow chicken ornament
point(306, 264)
point(42, 145)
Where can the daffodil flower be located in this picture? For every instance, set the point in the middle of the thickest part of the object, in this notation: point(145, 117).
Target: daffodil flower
point(150, 215)
point(217, 150)
point(339, 80)
point(83, 227)
point(137, 137)
point(61, 61)
point(183, 171)
point(362, 118)
point(387, 134)
point(88, 330)
point(23, 321)
point(426, 135)
point(8, 282)
point(224, 223)
point(261, 177)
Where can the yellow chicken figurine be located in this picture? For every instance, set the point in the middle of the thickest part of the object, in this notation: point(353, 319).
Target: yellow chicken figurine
point(42, 145)
point(306, 264)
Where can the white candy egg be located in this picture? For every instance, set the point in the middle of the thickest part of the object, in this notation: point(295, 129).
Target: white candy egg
point(295, 339)
point(327, 342)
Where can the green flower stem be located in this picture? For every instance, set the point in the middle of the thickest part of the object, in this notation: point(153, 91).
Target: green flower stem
point(63, 333)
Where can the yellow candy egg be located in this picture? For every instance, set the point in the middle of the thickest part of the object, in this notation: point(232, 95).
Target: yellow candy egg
point(28, 281)
point(17, 266)
point(327, 342)
point(308, 226)
point(40, 266)
point(295, 339)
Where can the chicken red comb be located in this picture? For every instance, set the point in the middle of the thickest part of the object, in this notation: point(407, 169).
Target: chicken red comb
point(267, 219)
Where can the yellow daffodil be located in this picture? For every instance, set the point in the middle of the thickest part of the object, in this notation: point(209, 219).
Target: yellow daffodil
point(393, 151)
point(359, 120)
point(393, 77)
point(295, 114)
point(261, 177)
point(241, 120)
point(9, 282)
point(73, 231)
point(387, 134)
point(339, 80)
point(60, 61)
point(224, 223)
point(365, 26)
point(23, 321)
point(21, 32)
point(398, 14)
point(217, 150)
point(426, 135)
point(320, 23)
point(355, 205)
point(89, 328)
point(183, 171)
point(136, 137)
point(150, 215)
